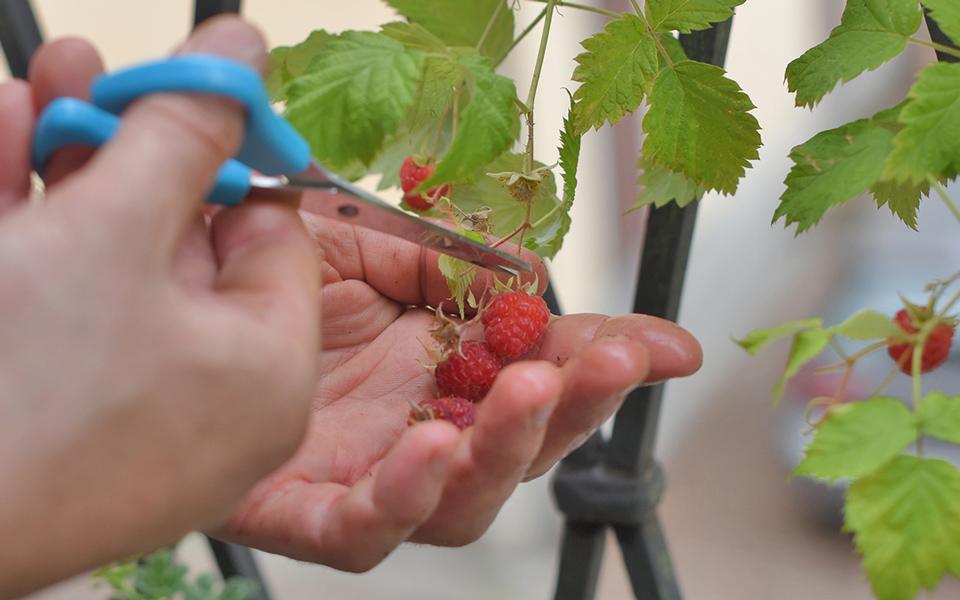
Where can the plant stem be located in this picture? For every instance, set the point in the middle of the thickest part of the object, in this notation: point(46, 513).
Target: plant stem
point(522, 35)
point(490, 23)
point(599, 11)
point(936, 46)
point(542, 52)
point(946, 198)
point(535, 81)
point(636, 7)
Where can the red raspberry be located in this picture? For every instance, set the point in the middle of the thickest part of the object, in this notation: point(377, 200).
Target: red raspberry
point(458, 411)
point(469, 373)
point(412, 175)
point(514, 321)
point(935, 350)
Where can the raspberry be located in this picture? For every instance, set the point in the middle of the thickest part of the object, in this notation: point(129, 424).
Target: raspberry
point(458, 411)
point(514, 321)
point(469, 373)
point(935, 350)
point(412, 175)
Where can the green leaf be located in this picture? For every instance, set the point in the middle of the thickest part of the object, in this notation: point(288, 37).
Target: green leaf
point(807, 344)
point(618, 68)
point(438, 86)
point(508, 214)
point(870, 33)
point(460, 23)
point(413, 36)
point(929, 143)
point(289, 62)
point(906, 522)
point(488, 125)
point(940, 416)
point(867, 325)
point(903, 199)
point(697, 124)
point(459, 273)
point(831, 168)
point(758, 338)
point(355, 94)
point(569, 155)
point(687, 15)
point(857, 438)
point(661, 186)
point(947, 15)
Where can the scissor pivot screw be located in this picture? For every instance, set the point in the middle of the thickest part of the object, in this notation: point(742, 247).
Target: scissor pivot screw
point(348, 210)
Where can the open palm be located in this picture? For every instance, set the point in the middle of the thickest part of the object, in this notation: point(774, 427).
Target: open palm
point(363, 481)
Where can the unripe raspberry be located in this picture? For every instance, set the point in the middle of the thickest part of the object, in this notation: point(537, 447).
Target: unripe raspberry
point(513, 322)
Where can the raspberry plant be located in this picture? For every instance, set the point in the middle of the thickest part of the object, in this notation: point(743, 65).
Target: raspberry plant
point(426, 85)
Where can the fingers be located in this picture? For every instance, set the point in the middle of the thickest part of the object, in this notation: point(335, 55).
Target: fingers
point(353, 528)
point(268, 262)
point(64, 68)
point(16, 131)
point(400, 270)
point(674, 352)
point(507, 436)
point(154, 173)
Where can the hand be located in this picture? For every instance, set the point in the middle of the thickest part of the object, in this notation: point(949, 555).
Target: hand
point(152, 367)
point(363, 482)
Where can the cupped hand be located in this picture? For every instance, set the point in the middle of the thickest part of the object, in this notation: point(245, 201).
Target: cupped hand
point(364, 481)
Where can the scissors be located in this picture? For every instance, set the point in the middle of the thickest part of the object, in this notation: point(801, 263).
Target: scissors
point(274, 161)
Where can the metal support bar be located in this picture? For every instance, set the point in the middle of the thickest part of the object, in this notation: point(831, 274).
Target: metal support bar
point(617, 483)
point(237, 561)
point(19, 35)
point(204, 9)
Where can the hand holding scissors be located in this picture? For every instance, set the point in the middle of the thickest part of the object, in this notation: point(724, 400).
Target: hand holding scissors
point(274, 161)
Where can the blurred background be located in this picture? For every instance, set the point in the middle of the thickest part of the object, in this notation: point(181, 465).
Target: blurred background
point(737, 528)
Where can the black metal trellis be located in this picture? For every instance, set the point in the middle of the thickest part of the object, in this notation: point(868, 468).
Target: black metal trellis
point(616, 483)
point(608, 483)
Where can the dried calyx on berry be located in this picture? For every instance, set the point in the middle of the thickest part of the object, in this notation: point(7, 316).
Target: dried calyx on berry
point(936, 347)
point(458, 411)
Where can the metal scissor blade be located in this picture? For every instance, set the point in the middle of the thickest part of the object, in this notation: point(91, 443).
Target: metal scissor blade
point(328, 195)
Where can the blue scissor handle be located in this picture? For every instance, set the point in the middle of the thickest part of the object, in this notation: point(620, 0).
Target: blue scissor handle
point(69, 121)
point(271, 145)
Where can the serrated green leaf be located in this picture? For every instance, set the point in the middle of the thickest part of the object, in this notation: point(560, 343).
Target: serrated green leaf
point(947, 15)
point(857, 438)
point(697, 124)
point(508, 214)
point(617, 70)
point(435, 93)
point(288, 62)
point(906, 522)
point(870, 33)
point(807, 344)
point(831, 168)
point(940, 416)
point(675, 51)
point(355, 94)
point(867, 325)
point(569, 156)
point(754, 341)
point(459, 273)
point(929, 143)
point(488, 125)
point(687, 15)
point(413, 36)
point(460, 23)
point(903, 199)
point(660, 186)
